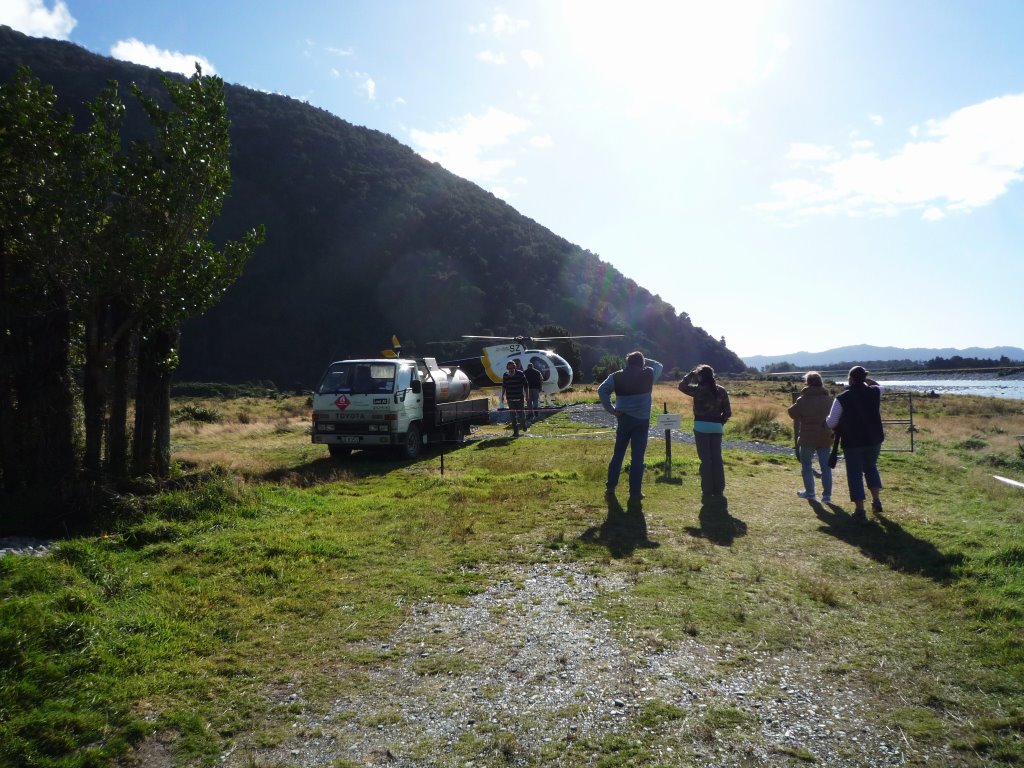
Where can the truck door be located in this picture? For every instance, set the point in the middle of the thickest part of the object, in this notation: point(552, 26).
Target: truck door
point(408, 404)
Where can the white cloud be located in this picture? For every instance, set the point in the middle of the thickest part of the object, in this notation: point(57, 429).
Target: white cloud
point(340, 51)
point(170, 61)
point(500, 25)
point(862, 144)
point(34, 18)
point(543, 141)
point(369, 87)
point(533, 59)
point(877, 120)
point(466, 149)
point(957, 163)
point(490, 57)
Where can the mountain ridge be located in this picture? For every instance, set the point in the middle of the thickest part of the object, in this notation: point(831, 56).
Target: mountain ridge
point(365, 238)
point(864, 352)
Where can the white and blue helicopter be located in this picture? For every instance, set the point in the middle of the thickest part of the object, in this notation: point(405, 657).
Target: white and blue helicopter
point(487, 369)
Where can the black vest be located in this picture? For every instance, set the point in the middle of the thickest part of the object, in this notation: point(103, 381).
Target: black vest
point(634, 380)
point(861, 422)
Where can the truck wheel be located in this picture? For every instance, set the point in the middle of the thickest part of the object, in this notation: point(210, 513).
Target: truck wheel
point(339, 451)
point(413, 445)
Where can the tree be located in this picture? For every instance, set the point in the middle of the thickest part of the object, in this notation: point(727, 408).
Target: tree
point(112, 245)
point(607, 365)
point(36, 277)
point(176, 187)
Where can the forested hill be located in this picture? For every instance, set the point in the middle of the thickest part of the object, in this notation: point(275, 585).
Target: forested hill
point(364, 238)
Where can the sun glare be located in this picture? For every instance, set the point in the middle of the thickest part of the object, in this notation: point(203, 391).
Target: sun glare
point(687, 56)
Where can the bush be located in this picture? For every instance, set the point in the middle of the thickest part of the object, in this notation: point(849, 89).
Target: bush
point(196, 414)
point(761, 424)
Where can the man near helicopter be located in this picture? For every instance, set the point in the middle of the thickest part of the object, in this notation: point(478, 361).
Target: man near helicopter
point(632, 387)
point(514, 388)
point(536, 380)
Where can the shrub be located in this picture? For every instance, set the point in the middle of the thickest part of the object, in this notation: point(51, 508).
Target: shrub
point(195, 414)
point(762, 424)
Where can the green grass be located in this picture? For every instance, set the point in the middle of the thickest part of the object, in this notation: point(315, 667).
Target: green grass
point(178, 621)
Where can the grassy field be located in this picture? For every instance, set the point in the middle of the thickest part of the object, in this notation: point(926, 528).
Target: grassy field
point(158, 641)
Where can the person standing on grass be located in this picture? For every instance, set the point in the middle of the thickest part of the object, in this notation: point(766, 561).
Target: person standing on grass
point(711, 410)
point(535, 379)
point(513, 390)
point(857, 415)
point(632, 387)
point(813, 437)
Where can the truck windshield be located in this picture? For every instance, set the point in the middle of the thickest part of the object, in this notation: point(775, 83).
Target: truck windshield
point(358, 379)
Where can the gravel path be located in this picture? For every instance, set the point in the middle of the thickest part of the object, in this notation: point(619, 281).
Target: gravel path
point(528, 669)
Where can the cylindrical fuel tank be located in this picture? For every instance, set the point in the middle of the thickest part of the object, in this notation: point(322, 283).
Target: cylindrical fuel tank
point(452, 384)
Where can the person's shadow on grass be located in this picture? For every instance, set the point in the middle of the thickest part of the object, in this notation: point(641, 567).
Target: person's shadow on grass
point(623, 531)
point(716, 524)
point(887, 542)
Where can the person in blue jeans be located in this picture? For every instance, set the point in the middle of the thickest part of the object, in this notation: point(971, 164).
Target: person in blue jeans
point(813, 438)
point(857, 415)
point(631, 388)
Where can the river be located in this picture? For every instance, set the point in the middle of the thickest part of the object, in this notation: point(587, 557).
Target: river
point(982, 385)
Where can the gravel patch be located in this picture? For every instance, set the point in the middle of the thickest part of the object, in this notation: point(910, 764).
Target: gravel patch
point(530, 668)
point(595, 415)
point(21, 545)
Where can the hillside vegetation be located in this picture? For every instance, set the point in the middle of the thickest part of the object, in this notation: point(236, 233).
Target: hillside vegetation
point(364, 238)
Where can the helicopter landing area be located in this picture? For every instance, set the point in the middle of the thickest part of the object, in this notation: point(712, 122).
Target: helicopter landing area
point(596, 416)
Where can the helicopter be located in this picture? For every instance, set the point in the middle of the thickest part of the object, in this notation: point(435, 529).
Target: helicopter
point(487, 369)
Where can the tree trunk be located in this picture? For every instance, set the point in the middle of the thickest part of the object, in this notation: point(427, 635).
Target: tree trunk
point(152, 404)
point(94, 385)
point(39, 424)
point(162, 449)
point(117, 429)
point(145, 412)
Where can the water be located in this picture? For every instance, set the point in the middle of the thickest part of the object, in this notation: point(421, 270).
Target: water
point(1004, 388)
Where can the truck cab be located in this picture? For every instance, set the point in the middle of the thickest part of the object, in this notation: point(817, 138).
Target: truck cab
point(397, 403)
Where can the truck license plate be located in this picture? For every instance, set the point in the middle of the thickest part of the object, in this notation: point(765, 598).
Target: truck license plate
point(349, 439)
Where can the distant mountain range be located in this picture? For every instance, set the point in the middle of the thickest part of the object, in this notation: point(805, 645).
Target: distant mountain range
point(865, 352)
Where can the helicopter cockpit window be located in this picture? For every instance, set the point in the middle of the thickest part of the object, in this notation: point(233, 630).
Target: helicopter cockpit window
point(358, 379)
point(541, 364)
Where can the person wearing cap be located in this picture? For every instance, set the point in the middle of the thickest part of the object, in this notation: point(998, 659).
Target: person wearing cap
point(813, 438)
point(857, 415)
point(513, 389)
point(711, 410)
point(631, 387)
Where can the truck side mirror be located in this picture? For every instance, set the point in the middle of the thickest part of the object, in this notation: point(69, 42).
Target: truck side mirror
point(417, 386)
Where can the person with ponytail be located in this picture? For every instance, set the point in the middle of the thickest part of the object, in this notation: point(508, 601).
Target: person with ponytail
point(711, 410)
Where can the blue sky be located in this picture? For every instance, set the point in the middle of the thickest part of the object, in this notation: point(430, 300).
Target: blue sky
point(796, 175)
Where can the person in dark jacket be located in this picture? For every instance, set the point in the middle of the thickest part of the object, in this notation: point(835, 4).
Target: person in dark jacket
point(536, 380)
point(632, 387)
point(711, 410)
point(857, 415)
point(813, 437)
point(514, 389)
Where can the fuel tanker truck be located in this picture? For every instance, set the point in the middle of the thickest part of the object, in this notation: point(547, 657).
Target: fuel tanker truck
point(393, 403)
